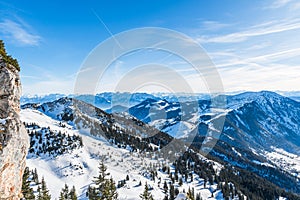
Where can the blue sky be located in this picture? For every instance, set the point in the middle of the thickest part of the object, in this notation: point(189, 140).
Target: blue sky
point(255, 45)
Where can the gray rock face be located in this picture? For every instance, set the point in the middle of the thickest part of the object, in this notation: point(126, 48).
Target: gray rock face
point(14, 141)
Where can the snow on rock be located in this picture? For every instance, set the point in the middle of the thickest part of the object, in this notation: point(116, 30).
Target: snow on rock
point(180, 197)
point(3, 121)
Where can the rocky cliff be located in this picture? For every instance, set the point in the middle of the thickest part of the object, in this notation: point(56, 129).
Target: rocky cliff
point(13, 136)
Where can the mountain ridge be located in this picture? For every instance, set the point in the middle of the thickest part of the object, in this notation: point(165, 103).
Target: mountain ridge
point(95, 114)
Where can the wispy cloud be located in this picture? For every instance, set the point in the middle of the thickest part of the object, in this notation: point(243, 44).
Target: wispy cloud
point(295, 6)
point(278, 4)
point(234, 61)
point(45, 81)
point(270, 77)
point(290, 6)
point(82, 70)
point(281, 55)
point(254, 31)
point(19, 33)
point(31, 77)
point(213, 25)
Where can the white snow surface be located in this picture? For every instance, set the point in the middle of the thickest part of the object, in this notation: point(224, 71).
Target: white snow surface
point(285, 160)
point(79, 167)
point(3, 121)
point(181, 129)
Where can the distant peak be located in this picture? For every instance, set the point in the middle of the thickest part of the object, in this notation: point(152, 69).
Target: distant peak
point(254, 95)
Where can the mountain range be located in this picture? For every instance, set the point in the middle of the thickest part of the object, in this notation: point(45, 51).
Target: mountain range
point(260, 130)
point(259, 139)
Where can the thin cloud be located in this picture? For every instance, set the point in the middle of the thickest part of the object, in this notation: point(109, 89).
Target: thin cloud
point(295, 6)
point(254, 31)
point(269, 77)
point(259, 46)
point(31, 77)
point(81, 70)
point(19, 33)
point(213, 25)
point(278, 55)
point(278, 4)
point(258, 61)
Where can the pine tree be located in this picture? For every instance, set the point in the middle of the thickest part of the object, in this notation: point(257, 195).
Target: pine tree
point(27, 191)
point(172, 192)
point(176, 191)
point(72, 194)
point(165, 187)
point(7, 58)
point(39, 195)
point(80, 142)
point(192, 178)
point(146, 195)
point(45, 191)
point(110, 192)
point(176, 176)
point(100, 181)
point(35, 176)
point(92, 194)
point(186, 177)
point(180, 181)
point(105, 188)
point(198, 197)
point(190, 194)
point(64, 193)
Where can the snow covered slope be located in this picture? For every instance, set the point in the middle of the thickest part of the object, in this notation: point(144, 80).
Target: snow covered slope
point(131, 147)
point(255, 122)
point(253, 119)
point(81, 165)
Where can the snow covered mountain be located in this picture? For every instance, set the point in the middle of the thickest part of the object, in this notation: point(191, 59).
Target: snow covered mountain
point(39, 98)
point(262, 119)
point(295, 95)
point(113, 102)
point(92, 136)
point(130, 145)
point(257, 124)
point(168, 116)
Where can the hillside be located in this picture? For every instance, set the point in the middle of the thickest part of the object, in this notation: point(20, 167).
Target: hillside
point(260, 132)
point(129, 146)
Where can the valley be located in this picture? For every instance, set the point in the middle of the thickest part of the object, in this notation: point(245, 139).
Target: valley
point(102, 136)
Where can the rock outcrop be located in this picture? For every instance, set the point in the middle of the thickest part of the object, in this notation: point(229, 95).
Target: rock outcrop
point(14, 140)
